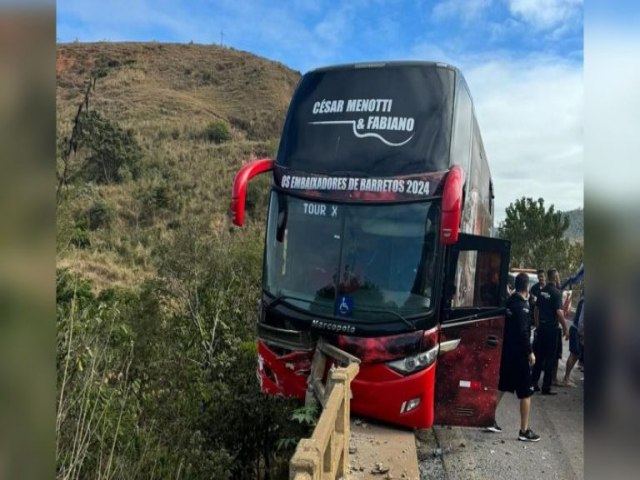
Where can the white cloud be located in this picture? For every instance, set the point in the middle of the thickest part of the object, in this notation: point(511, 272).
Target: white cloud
point(546, 14)
point(530, 114)
point(555, 17)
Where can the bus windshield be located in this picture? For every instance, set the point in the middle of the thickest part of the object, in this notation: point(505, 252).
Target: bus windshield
point(372, 263)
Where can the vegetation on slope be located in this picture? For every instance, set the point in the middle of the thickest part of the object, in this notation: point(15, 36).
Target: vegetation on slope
point(197, 113)
point(156, 291)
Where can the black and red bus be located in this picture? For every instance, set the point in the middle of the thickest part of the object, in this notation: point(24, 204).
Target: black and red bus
point(378, 242)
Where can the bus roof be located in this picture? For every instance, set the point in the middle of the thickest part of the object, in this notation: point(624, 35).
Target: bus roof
point(382, 64)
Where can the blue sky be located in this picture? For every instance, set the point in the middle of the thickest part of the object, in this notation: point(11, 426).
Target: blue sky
point(523, 60)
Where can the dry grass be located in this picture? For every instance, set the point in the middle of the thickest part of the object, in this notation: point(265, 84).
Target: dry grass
point(105, 269)
point(167, 94)
point(182, 84)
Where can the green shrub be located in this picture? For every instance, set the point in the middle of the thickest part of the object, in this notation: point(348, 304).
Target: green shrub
point(165, 375)
point(156, 201)
point(205, 77)
point(99, 215)
point(80, 236)
point(109, 149)
point(70, 288)
point(217, 132)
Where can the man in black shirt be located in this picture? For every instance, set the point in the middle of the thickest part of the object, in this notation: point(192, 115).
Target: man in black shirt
point(534, 293)
point(548, 316)
point(517, 356)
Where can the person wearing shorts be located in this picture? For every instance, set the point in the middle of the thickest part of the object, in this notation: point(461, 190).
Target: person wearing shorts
point(574, 344)
point(518, 357)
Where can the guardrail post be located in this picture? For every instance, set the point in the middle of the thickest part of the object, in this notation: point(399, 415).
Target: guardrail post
point(326, 454)
point(342, 377)
point(306, 462)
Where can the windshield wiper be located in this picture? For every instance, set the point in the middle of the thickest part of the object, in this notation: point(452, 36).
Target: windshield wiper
point(281, 297)
point(392, 312)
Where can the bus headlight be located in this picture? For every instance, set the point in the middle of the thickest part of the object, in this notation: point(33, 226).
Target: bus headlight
point(414, 363)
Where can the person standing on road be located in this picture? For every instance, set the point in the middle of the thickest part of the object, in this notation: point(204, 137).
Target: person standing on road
point(534, 293)
point(574, 343)
point(566, 307)
point(518, 357)
point(548, 316)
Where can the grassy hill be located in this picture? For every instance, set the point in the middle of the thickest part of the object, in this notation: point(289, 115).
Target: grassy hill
point(160, 87)
point(168, 95)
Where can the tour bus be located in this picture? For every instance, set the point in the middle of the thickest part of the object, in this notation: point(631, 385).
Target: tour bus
point(378, 244)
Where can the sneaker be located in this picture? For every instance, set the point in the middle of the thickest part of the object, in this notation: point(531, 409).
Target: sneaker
point(495, 428)
point(528, 436)
point(567, 383)
point(548, 392)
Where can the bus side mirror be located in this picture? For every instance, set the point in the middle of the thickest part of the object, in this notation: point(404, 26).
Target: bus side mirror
point(451, 205)
point(239, 193)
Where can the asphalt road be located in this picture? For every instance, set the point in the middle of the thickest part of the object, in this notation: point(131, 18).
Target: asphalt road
point(452, 453)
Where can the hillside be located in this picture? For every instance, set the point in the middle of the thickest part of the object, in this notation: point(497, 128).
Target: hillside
point(167, 95)
point(576, 225)
point(155, 290)
point(158, 87)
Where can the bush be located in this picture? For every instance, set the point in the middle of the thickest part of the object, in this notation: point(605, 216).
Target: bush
point(165, 376)
point(205, 77)
point(80, 236)
point(99, 215)
point(155, 201)
point(110, 149)
point(217, 132)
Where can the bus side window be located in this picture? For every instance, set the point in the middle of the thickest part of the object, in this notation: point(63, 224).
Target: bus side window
point(464, 283)
point(477, 280)
point(488, 280)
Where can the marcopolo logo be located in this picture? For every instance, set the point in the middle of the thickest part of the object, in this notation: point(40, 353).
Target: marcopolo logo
point(333, 327)
point(374, 125)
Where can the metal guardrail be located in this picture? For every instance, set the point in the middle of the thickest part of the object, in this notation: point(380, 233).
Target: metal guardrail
point(325, 456)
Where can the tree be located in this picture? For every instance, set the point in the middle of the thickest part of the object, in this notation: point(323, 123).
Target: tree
point(111, 149)
point(536, 235)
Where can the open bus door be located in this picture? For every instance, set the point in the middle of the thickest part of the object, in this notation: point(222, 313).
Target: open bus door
point(471, 331)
